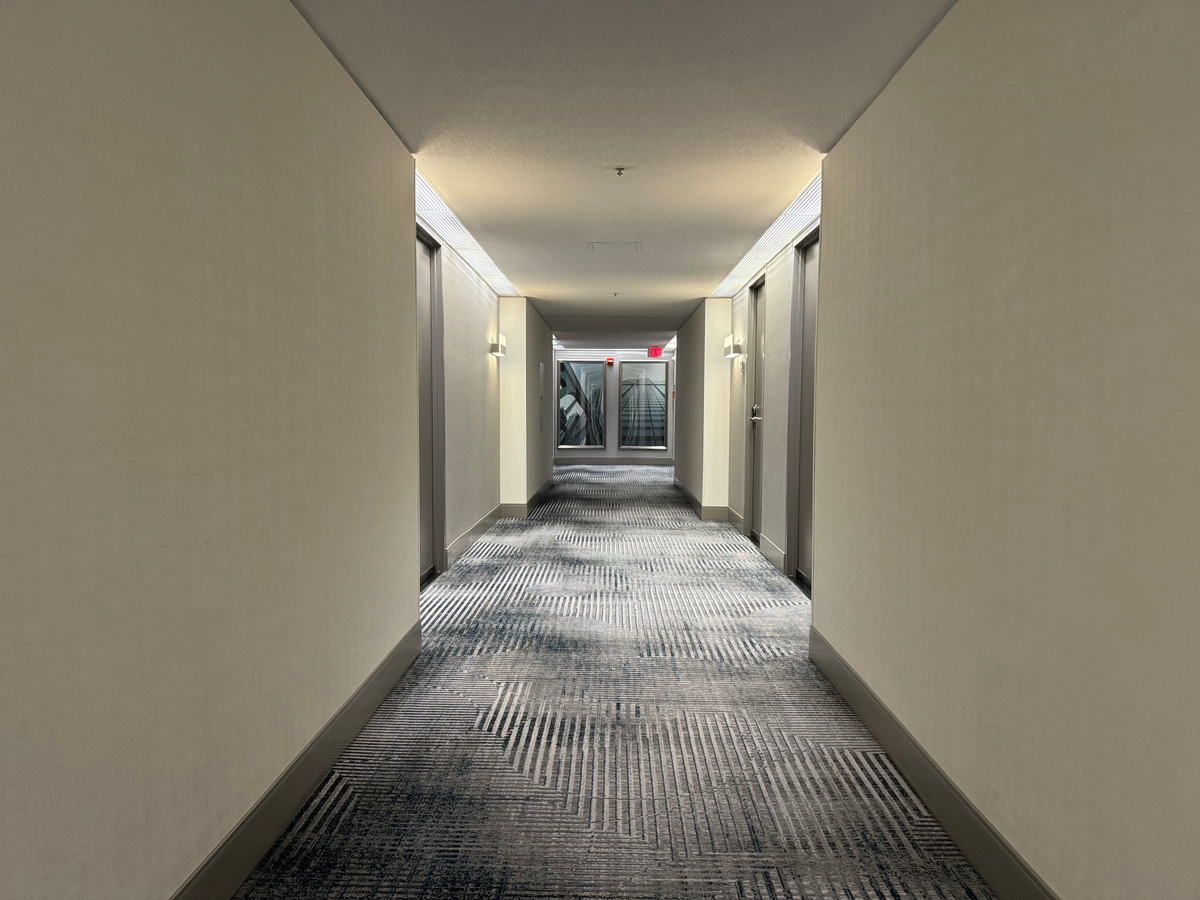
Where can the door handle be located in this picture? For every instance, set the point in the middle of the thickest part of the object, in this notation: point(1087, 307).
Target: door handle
point(756, 418)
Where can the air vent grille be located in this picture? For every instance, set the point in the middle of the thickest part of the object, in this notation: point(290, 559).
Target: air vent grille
point(608, 248)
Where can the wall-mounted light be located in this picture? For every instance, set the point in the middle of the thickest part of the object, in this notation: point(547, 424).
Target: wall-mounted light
point(732, 348)
point(499, 345)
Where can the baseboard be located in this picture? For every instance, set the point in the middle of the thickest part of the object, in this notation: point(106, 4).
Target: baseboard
point(522, 510)
point(613, 461)
point(693, 502)
point(774, 554)
point(703, 513)
point(463, 543)
point(540, 494)
point(734, 518)
point(993, 857)
point(805, 583)
point(223, 872)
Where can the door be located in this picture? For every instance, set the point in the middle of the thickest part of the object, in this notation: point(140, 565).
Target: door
point(428, 558)
point(756, 331)
point(809, 261)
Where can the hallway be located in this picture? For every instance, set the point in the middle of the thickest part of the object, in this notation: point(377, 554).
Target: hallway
point(614, 699)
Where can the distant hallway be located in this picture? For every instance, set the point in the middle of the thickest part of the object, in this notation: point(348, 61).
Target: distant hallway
point(614, 700)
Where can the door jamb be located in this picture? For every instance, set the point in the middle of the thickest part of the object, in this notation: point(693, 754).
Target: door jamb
point(795, 377)
point(752, 336)
point(437, 359)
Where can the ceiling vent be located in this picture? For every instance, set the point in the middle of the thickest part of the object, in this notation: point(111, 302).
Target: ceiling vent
point(608, 248)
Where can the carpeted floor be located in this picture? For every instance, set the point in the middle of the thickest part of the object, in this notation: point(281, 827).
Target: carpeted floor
point(614, 700)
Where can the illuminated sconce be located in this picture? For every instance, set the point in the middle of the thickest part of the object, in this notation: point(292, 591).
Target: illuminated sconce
point(499, 345)
point(732, 349)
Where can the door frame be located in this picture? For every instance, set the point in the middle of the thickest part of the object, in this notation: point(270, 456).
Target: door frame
point(437, 360)
point(795, 407)
point(750, 501)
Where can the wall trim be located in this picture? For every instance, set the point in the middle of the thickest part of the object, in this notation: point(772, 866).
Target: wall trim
point(703, 513)
point(522, 510)
point(464, 541)
point(540, 494)
point(223, 872)
point(734, 518)
point(774, 554)
point(1005, 871)
point(613, 461)
point(693, 502)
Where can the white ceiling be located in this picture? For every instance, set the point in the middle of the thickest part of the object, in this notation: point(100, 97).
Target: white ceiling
point(516, 111)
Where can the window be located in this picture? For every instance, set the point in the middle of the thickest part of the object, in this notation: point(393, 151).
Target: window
point(644, 405)
point(581, 404)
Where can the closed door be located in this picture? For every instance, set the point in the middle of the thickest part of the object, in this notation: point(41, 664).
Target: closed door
point(810, 258)
point(425, 400)
point(758, 346)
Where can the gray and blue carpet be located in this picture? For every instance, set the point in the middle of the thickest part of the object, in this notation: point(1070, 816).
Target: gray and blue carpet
point(614, 700)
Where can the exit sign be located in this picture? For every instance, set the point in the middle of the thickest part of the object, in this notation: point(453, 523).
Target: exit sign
point(654, 352)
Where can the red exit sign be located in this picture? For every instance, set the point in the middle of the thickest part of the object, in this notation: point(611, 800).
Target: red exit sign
point(654, 352)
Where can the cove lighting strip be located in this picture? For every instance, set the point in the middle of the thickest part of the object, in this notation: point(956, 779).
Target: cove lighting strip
point(443, 224)
point(793, 222)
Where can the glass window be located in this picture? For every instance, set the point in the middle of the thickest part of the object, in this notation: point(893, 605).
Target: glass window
point(581, 404)
point(644, 405)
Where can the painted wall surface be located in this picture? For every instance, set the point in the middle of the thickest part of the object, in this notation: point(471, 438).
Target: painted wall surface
point(689, 404)
point(738, 410)
point(207, 380)
point(1007, 478)
point(716, 376)
point(779, 292)
point(514, 389)
point(471, 312)
point(611, 452)
point(540, 421)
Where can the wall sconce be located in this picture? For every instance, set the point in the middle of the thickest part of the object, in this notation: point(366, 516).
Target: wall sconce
point(499, 345)
point(732, 349)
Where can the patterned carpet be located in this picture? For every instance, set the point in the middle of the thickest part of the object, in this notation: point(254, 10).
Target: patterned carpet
point(614, 700)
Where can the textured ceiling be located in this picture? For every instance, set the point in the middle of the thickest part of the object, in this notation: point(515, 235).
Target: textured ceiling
point(516, 111)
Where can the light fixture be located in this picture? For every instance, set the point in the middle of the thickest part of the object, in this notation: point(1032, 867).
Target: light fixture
point(732, 348)
point(499, 345)
point(792, 223)
point(439, 219)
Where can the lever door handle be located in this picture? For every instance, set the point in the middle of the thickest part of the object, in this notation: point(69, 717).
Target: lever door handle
point(756, 418)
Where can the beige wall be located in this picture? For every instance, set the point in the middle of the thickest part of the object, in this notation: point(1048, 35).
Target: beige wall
point(738, 317)
point(716, 403)
point(540, 421)
point(208, 481)
point(526, 399)
point(1007, 478)
point(689, 404)
point(514, 374)
point(471, 312)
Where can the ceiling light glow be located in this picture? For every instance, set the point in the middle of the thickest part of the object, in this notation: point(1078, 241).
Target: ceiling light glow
point(803, 212)
point(440, 221)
